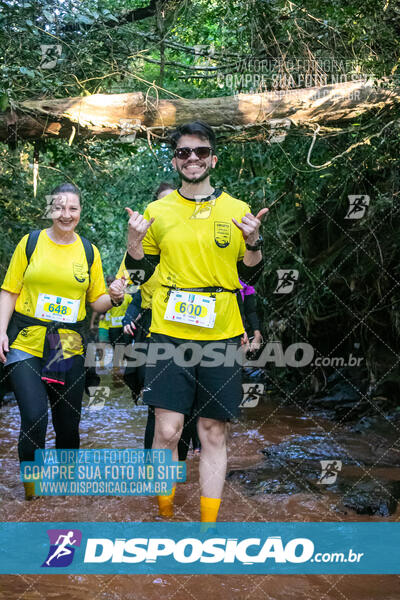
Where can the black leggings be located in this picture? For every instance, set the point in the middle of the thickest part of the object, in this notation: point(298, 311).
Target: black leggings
point(32, 395)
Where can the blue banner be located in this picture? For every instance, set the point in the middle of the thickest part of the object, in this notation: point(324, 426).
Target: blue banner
point(103, 472)
point(198, 548)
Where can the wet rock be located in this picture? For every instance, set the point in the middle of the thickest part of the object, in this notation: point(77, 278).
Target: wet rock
point(349, 448)
point(294, 467)
point(254, 375)
point(349, 398)
point(7, 398)
point(373, 497)
point(272, 478)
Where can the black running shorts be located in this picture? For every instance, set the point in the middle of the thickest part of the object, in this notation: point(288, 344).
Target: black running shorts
point(187, 377)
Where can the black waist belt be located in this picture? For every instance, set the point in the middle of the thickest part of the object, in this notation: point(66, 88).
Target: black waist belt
point(205, 290)
point(55, 364)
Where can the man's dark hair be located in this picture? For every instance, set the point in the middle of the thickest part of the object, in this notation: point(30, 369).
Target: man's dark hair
point(66, 188)
point(199, 128)
point(164, 185)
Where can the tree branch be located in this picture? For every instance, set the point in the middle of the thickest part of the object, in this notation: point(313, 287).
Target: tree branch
point(183, 66)
point(111, 115)
point(137, 14)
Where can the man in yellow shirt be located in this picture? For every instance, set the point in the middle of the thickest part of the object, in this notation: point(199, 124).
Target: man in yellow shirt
point(203, 239)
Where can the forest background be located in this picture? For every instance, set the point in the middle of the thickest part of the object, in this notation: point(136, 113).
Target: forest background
point(347, 292)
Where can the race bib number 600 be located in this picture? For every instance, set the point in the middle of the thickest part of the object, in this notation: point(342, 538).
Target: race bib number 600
point(57, 308)
point(192, 309)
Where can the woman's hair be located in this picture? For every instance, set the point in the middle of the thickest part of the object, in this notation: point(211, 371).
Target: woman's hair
point(164, 185)
point(66, 188)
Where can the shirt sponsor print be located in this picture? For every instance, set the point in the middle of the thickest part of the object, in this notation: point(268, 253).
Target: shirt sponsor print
point(222, 234)
point(80, 272)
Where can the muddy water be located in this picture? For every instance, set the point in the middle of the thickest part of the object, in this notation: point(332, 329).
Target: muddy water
point(120, 424)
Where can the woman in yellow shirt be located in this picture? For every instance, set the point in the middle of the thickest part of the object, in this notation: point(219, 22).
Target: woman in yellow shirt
point(42, 308)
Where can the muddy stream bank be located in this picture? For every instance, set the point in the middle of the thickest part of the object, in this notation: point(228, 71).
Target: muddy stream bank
point(274, 474)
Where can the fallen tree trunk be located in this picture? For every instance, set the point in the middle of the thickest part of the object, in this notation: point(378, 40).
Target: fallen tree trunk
point(118, 115)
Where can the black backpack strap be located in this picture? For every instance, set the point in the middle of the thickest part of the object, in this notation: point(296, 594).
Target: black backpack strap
point(89, 251)
point(31, 243)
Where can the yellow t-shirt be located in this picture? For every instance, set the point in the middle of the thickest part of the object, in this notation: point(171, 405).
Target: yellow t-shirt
point(148, 288)
point(54, 269)
point(199, 246)
point(104, 324)
point(123, 272)
point(115, 315)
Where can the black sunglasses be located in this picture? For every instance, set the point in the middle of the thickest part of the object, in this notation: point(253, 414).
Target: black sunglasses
point(200, 152)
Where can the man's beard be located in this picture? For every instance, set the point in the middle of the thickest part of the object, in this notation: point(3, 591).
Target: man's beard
point(202, 177)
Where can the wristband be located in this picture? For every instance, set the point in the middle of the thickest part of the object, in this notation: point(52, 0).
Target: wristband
point(256, 246)
point(115, 304)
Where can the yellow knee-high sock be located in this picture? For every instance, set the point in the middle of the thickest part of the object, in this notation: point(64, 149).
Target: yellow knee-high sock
point(166, 504)
point(29, 487)
point(209, 508)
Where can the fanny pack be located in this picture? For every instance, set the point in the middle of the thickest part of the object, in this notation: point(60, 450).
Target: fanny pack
point(205, 290)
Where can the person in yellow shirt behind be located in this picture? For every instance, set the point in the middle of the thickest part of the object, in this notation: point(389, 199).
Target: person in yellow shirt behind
point(114, 318)
point(103, 338)
point(42, 308)
point(116, 333)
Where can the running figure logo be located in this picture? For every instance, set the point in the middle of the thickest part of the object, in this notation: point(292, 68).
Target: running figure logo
point(136, 276)
point(286, 280)
point(330, 470)
point(279, 129)
point(129, 128)
point(97, 397)
point(51, 53)
point(251, 394)
point(62, 547)
point(357, 207)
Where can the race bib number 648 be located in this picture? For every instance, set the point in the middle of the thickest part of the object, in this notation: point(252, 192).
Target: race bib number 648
point(57, 308)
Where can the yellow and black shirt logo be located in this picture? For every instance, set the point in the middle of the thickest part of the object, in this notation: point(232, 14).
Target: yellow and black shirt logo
point(222, 233)
point(80, 272)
